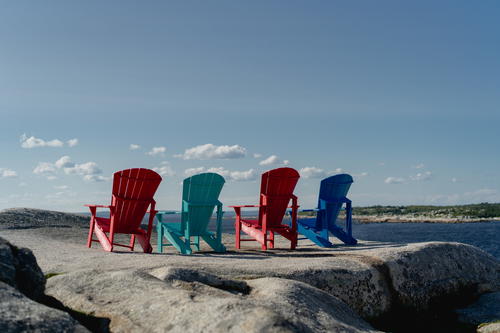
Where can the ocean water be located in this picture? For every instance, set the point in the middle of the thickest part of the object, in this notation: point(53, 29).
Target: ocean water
point(484, 235)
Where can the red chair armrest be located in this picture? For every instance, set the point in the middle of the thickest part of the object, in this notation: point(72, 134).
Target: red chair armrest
point(99, 206)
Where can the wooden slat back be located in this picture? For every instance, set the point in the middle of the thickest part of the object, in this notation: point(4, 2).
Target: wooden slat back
point(332, 189)
point(201, 189)
point(133, 190)
point(278, 185)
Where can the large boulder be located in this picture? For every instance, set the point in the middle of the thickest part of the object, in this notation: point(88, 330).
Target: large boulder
point(423, 275)
point(187, 300)
point(22, 283)
point(19, 269)
point(18, 313)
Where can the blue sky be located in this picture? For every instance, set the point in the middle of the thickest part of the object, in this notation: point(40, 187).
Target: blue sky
point(402, 95)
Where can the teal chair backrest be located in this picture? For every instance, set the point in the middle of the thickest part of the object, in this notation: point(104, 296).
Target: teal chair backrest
point(331, 190)
point(200, 195)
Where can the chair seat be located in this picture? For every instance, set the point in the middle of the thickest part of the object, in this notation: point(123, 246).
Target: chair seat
point(307, 222)
point(252, 223)
point(105, 224)
point(255, 224)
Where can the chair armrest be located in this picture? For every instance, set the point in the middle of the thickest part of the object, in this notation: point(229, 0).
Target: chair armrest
point(309, 210)
point(166, 212)
point(242, 206)
point(99, 206)
point(338, 201)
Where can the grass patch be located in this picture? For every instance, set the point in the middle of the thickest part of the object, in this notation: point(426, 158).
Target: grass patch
point(49, 275)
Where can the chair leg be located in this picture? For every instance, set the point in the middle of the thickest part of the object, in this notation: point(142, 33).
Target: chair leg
point(238, 235)
point(197, 243)
point(293, 244)
point(271, 240)
point(144, 242)
point(91, 232)
point(264, 243)
point(187, 242)
point(132, 242)
point(106, 243)
point(213, 242)
point(159, 231)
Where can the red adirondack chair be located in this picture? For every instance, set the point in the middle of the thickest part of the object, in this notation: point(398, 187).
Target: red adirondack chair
point(132, 194)
point(276, 191)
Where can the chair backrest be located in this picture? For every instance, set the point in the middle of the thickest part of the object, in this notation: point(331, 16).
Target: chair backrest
point(133, 191)
point(332, 189)
point(201, 189)
point(277, 185)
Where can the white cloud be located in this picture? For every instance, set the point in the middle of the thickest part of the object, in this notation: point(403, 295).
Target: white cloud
point(61, 187)
point(157, 151)
point(454, 180)
point(7, 173)
point(338, 170)
point(44, 169)
point(419, 166)
point(89, 171)
point(220, 170)
point(95, 178)
point(243, 175)
point(381, 163)
point(232, 175)
point(84, 169)
point(22, 184)
point(312, 172)
point(273, 159)
point(133, 146)
point(72, 142)
point(394, 180)
point(210, 151)
point(257, 155)
point(362, 174)
point(422, 176)
point(193, 171)
point(32, 142)
point(165, 169)
point(64, 162)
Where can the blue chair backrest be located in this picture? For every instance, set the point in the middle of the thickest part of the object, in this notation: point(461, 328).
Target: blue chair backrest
point(332, 189)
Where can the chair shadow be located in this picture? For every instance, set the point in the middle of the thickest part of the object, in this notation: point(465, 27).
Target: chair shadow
point(304, 252)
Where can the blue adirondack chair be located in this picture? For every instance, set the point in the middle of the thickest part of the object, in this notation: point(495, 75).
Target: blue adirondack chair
point(199, 198)
point(332, 196)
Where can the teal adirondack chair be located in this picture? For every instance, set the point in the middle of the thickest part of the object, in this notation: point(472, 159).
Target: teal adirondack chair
point(199, 198)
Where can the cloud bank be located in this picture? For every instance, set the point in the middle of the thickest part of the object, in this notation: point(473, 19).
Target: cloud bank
point(33, 142)
point(209, 151)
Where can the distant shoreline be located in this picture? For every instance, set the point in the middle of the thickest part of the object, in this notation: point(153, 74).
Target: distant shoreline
point(419, 219)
